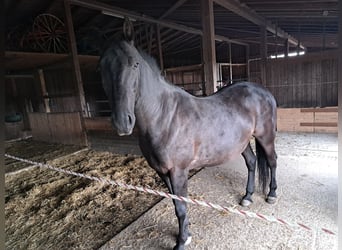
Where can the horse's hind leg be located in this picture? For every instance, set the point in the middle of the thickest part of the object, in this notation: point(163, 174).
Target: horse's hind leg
point(250, 160)
point(272, 161)
point(271, 156)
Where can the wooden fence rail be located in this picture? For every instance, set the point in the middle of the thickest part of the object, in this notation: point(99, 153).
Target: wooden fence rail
point(308, 119)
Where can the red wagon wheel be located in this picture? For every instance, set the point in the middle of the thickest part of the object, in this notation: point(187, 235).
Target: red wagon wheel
point(50, 34)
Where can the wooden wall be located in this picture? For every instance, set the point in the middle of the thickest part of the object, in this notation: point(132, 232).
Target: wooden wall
point(65, 128)
point(22, 95)
point(316, 120)
point(61, 90)
point(304, 81)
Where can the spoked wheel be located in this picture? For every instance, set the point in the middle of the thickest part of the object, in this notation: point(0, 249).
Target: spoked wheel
point(49, 33)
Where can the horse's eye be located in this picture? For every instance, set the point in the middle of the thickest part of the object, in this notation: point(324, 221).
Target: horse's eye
point(136, 65)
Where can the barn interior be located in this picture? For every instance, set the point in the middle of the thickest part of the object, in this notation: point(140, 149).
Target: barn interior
point(56, 112)
point(52, 52)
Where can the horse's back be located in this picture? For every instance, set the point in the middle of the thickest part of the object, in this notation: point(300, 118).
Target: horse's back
point(246, 94)
point(251, 101)
point(244, 90)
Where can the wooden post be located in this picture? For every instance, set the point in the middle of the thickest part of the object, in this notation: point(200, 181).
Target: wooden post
point(44, 91)
point(324, 35)
point(247, 63)
point(230, 64)
point(298, 48)
point(339, 85)
point(286, 48)
point(276, 41)
point(208, 46)
point(263, 54)
point(74, 57)
point(149, 37)
point(159, 48)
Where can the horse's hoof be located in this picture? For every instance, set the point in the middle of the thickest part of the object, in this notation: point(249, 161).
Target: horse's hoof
point(182, 246)
point(271, 199)
point(188, 241)
point(245, 203)
point(178, 247)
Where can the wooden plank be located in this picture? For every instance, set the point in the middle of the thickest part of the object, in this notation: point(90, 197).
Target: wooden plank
point(39, 126)
point(185, 68)
point(54, 126)
point(98, 124)
point(326, 117)
point(318, 124)
point(319, 110)
point(75, 133)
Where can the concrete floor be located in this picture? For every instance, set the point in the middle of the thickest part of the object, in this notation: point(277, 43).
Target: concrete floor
point(307, 193)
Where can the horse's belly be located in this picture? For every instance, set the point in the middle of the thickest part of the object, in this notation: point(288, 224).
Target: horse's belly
point(216, 154)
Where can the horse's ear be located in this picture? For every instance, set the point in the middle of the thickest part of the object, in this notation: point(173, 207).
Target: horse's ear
point(128, 31)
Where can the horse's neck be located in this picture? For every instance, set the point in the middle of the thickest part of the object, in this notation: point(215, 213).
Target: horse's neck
point(150, 106)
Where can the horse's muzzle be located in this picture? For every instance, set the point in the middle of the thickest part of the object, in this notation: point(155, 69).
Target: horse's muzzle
point(125, 125)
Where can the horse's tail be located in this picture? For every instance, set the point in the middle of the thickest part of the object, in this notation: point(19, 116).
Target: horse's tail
point(263, 168)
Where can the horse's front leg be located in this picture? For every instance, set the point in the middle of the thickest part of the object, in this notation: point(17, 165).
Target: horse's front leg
point(179, 184)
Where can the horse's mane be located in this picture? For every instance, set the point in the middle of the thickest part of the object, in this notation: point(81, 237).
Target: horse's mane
point(150, 61)
point(113, 45)
point(108, 45)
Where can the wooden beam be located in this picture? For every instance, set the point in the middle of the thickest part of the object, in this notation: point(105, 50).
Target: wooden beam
point(159, 48)
point(13, 76)
point(173, 8)
point(109, 9)
point(74, 57)
point(249, 14)
point(263, 54)
point(208, 46)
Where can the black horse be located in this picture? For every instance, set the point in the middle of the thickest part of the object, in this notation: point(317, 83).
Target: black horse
point(179, 132)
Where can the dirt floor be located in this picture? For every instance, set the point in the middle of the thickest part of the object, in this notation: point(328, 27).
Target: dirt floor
point(46, 209)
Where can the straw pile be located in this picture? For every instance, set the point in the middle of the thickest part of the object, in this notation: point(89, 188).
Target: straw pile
point(35, 151)
point(49, 210)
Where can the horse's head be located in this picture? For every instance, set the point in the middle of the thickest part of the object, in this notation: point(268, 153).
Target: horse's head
point(120, 71)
